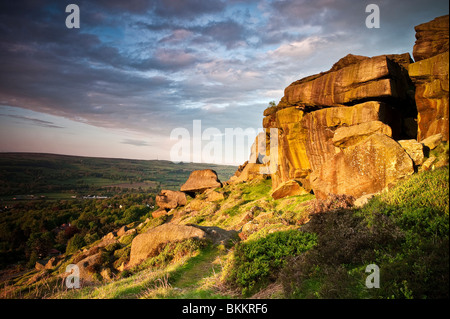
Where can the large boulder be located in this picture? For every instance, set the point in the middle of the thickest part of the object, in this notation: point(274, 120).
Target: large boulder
point(168, 199)
point(201, 180)
point(366, 79)
point(151, 242)
point(365, 168)
point(431, 38)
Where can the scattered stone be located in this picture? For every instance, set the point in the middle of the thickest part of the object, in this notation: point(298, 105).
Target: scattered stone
point(122, 231)
point(432, 141)
point(414, 150)
point(201, 180)
point(168, 199)
point(159, 212)
point(428, 164)
point(213, 196)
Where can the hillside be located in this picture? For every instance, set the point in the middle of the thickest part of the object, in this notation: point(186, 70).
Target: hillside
point(403, 231)
point(62, 176)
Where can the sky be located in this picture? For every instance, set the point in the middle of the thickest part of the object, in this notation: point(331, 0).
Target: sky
point(150, 79)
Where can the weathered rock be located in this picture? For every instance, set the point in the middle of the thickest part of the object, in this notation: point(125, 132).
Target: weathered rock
point(321, 126)
point(346, 136)
point(213, 196)
point(201, 180)
point(365, 168)
point(159, 213)
point(89, 266)
point(149, 244)
point(289, 188)
point(52, 263)
point(305, 140)
point(122, 231)
point(168, 199)
point(40, 265)
point(249, 171)
point(367, 79)
point(432, 141)
point(428, 164)
point(431, 78)
point(414, 150)
point(431, 38)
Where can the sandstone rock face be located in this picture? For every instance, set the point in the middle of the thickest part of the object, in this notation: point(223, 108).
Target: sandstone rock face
point(289, 188)
point(201, 180)
point(168, 199)
point(362, 106)
point(431, 38)
point(346, 136)
point(149, 244)
point(367, 79)
point(430, 75)
point(364, 168)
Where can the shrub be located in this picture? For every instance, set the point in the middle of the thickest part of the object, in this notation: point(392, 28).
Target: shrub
point(256, 262)
point(75, 243)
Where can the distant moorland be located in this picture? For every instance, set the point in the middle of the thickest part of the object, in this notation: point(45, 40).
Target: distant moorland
point(61, 176)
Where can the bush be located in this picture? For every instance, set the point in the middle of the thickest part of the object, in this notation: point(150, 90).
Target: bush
point(345, 241)
point(75, 243)
point(256, 262)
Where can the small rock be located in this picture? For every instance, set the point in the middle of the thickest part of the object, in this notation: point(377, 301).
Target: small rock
point(428, 163)
point(432, 141)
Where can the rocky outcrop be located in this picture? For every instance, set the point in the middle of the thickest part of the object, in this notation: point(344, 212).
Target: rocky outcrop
point(431, 38)
point(365, 168)
point(430, 76)
point(150, 243)
point(168, 199)
point(363, 79)
point(338, 130)
point(201, 180)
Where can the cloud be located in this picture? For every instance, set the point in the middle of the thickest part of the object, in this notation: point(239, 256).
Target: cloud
point(151, 66)
point(135, 142)
point(34, 121)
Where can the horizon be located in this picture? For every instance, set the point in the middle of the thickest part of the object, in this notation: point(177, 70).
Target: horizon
point(134, 72)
